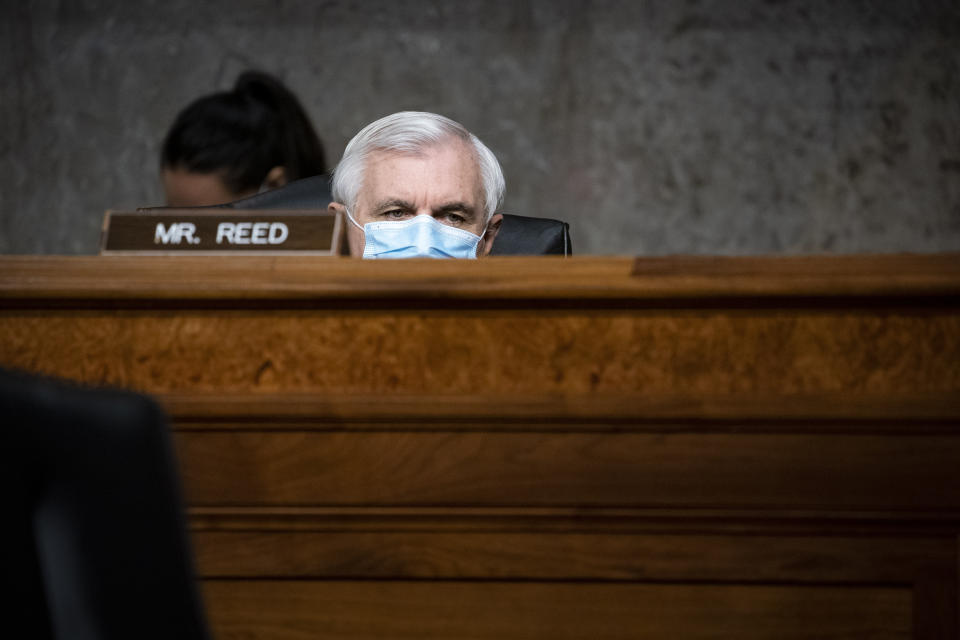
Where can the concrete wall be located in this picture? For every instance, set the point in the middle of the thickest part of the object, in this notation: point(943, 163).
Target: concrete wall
point(653, 127)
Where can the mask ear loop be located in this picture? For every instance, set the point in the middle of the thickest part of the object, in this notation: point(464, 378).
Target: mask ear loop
point(482, 234)
point(352, 219)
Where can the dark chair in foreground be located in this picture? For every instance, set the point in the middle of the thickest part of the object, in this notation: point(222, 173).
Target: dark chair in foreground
point(98, 547)
point(519, 235)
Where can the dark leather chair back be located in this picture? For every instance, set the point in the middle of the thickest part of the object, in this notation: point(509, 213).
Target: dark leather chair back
point(523, 236)
point(519, 235)
point(98, 547)
point(306, 193)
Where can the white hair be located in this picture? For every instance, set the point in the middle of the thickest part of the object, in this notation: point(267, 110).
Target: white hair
point(411, 133)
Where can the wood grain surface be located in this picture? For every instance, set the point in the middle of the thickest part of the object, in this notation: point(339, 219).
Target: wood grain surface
point(563, 469)
point(581, 279)
point(304, 232)
point(539, 448)
point(922, 412)
point(593, 554)
point(390, 351)
point(480, 610)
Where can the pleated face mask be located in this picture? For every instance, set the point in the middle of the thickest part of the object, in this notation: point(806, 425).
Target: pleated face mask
point(417, 237)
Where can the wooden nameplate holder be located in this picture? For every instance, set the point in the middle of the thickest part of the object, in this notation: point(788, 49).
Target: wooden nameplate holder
point(208, 231)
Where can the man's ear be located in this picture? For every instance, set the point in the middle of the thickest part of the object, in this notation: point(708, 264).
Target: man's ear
point(276, 178)
point(353, 237)
point(493, 228)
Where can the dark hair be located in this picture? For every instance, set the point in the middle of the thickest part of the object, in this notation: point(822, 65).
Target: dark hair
point(244, 133)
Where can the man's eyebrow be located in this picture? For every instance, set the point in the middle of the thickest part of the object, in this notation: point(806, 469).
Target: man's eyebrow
point(456, 206)
point(394, 202)
point(448, 207)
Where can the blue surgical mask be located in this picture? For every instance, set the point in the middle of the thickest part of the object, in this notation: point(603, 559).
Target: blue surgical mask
point(417, 237)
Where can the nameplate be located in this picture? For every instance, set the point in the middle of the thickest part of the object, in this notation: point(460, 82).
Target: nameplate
point(221, 231)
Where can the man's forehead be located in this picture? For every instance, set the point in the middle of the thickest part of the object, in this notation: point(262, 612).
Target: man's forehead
point(450, 147)
point(450, 168)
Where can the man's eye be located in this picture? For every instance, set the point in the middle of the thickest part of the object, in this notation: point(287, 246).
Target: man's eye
point(454, 218)
point(394, 214)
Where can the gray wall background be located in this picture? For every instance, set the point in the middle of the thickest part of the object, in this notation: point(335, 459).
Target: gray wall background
point(653, 127)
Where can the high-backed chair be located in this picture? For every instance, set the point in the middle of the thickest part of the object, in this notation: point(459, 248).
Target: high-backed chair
point(97, 546)
point(519, 235)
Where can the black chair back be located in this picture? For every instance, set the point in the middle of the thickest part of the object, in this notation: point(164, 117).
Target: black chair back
point(524, 236)
point(306, 193)
point(99, 549)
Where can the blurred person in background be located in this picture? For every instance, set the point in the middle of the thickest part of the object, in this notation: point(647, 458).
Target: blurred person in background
point(234, 144)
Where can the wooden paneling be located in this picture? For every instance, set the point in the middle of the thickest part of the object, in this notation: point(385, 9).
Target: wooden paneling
point(577, 280)
point(774, 327)
point(926, 412)
point(562, 469)
point(539, 448)
point(358, 553)
point(470, 351)
point(481, 610)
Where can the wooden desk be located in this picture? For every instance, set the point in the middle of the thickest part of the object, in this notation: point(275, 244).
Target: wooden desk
point(539, 447)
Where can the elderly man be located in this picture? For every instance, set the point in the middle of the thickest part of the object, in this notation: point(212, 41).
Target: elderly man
point(416, 184)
